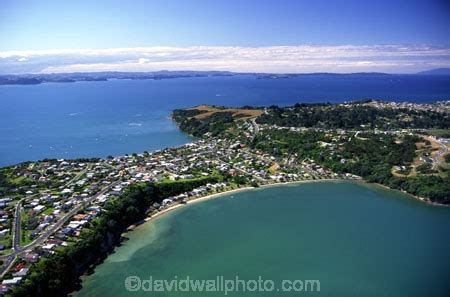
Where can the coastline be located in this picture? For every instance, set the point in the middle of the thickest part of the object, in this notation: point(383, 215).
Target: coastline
point(195, 200)
point(159, 214)
point(243, 189)
point(233, 191)
point(158, 240)
point(415, 197)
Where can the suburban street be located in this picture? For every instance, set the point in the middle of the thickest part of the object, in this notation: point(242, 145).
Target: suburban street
point(9, 259)
point(17, 226)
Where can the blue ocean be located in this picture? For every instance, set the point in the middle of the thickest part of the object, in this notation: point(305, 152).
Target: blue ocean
point(97, 119)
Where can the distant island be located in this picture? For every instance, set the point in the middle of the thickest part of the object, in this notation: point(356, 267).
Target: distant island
point(34, 79)
point(437, 71)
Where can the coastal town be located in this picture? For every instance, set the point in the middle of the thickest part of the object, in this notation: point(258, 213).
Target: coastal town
point(196, 148)
point(55, 200)
point(438, 106)
point(63, 196)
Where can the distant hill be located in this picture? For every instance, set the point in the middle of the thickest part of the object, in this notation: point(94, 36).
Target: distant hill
point(437, 71)
point(27, 79)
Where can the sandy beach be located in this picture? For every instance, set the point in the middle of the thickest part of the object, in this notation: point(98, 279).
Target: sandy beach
point(216, 195)
point(200, 199)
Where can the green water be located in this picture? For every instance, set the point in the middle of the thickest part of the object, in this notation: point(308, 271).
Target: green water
point(357, 240)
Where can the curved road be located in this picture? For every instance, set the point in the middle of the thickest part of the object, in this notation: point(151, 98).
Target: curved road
point(442, 151)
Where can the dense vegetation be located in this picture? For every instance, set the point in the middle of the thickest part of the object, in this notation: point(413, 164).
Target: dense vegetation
point(10, 184)
point(279, 143)
point(58, 274)
point(215, 124)
point(4, 182)
point(371, 158)
point(181, 114)
point(358, 116)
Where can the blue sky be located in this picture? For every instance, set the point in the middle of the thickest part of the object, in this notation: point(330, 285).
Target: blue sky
point(39, 26)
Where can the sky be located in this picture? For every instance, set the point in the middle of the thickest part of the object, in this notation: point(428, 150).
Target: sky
point(396, 36)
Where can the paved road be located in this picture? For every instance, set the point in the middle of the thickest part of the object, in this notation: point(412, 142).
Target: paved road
point(53, 228)
point(7, 264)
point(70, 182)
point(9, 259)
point(255, 128)
point(17, 226)
point(442, 151)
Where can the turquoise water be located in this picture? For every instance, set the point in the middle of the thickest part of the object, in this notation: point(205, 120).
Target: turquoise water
point(357, 240)
point(97, 119)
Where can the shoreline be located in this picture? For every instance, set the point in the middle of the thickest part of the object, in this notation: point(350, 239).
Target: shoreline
point(247, 188)
point(173, 207)
point(195, 200)
point(415, 197)
point(238, 190)
point(243, 189)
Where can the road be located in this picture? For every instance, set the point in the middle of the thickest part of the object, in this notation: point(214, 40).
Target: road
point(70, 182)
point(9, 259)
point(255, 128)
point(443, 150)
point(17, 226)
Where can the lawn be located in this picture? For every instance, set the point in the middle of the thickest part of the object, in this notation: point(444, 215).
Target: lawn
point(48, 211)
point(24, 238)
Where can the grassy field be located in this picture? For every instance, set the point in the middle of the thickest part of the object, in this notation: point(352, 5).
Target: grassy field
point(439, 132)
point(237, 112)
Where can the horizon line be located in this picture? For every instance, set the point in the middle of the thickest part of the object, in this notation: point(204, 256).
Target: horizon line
point(266, 59)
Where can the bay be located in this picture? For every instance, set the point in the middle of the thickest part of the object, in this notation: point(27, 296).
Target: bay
point(356, 239)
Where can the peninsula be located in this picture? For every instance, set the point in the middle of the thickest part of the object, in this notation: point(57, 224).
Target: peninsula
point(60, 218)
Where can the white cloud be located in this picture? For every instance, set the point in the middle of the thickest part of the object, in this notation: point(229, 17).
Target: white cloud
point(303, 58)
point(143, 60)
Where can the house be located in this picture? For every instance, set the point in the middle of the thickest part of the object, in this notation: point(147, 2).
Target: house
point(4, 202)
point(167, 201)
point(31, 257)
point(22, 272)
point(48, 246)
point(66, 192)
point(68, 231)
point(39, 208)
point(12, 282)
point(3, 289)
